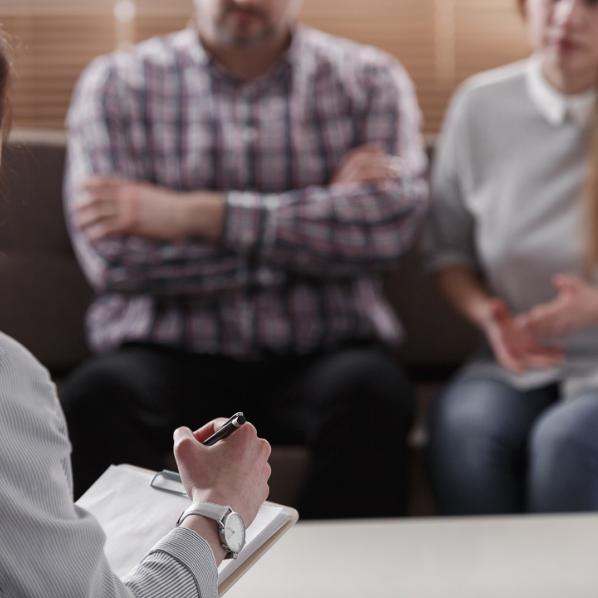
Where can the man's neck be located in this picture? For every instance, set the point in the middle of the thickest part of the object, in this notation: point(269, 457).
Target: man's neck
point(249, 63)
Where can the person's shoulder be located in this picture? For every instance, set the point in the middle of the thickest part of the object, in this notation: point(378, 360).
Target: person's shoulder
point(129, 66)
point(494, 85)
point(346, 54)
point(19, 369)
point(353, 62)
point(14, 356)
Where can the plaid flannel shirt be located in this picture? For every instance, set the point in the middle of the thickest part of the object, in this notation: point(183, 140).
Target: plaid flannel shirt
point(299, 266)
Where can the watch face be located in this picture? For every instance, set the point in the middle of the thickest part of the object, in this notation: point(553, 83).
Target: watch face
point(234, 532)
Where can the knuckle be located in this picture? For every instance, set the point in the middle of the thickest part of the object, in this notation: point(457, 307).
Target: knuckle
point(182, 445)
point(266, 448)
point(249, 430)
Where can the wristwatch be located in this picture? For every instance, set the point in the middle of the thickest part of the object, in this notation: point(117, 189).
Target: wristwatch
point(231, 528)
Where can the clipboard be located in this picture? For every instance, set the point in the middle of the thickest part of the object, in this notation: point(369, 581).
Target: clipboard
point(115, 499)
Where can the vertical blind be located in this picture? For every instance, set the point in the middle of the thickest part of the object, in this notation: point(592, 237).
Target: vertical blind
point(441, 42)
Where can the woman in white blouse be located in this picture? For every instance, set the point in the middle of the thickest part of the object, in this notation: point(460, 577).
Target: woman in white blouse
point(513, 239)
point(49, 547)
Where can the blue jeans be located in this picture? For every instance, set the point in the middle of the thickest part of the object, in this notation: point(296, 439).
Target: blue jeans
point(495, 449)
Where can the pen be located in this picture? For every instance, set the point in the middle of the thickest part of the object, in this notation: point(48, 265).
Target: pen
point(228, 427)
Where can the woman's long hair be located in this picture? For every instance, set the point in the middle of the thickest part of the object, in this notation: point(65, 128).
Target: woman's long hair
point(590, 197)
point(591, 205)
point(4, 82)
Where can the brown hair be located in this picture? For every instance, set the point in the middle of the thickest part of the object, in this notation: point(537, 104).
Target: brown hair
point(591, 204)
point(590, 196)
point(4, 82)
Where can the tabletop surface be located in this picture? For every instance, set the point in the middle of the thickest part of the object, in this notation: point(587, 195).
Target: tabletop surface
point(502, 557)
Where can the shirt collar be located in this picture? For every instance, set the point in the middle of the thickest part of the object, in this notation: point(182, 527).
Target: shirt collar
point(556, 106)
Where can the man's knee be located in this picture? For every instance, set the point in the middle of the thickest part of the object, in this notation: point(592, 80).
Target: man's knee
point(366, 380)
point(100, 383)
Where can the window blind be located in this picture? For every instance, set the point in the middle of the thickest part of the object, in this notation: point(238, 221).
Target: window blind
point(440, 42)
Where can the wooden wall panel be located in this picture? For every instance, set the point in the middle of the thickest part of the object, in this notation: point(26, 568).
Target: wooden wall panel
point(488, 37)
point(50, 53)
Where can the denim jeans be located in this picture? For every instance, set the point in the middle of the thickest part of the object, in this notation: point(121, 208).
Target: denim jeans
point(495, 449)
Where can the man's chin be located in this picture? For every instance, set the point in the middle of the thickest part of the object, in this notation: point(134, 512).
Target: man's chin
point(246, 39)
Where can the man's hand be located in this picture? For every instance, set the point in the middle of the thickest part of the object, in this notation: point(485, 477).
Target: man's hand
point(120, 207)
point(574, 308)
point(367, 164)
point(234, 471)
point(514, 346)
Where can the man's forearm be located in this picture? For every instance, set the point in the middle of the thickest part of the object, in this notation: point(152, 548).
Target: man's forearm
point(202, 215)
point(328, 231)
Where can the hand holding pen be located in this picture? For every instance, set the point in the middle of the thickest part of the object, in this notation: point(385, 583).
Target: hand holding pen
point(233, 472)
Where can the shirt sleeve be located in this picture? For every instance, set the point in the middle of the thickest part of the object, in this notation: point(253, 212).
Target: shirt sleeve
point(351, 229)
point(48, 546)
point(450, 228)
point(108, 136)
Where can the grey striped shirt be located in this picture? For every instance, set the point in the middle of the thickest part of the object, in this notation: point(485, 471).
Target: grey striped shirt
point(49, 547)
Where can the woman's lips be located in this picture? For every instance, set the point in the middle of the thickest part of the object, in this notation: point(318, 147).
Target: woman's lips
point(565, 44)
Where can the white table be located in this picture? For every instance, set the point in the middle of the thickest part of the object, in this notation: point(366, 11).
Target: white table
point(502, 557)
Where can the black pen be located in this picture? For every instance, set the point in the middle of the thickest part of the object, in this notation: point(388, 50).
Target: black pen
point(228, 427)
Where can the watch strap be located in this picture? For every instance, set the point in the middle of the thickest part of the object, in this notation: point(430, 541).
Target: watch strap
point(217, 513)
point(213, 511)
point(206, 509)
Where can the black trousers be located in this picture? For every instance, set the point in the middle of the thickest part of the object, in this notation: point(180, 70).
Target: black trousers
point(351, 407)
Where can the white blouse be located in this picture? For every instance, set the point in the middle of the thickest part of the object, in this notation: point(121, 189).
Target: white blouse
point(506, 201)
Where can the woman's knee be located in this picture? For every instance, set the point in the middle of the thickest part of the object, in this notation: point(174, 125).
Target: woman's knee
point(565, 433)
point(472, 408)
point(563, 460)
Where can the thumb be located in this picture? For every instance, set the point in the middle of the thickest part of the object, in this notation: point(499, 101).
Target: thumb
point(499, 309)
point(562, 282)
point(182, 435)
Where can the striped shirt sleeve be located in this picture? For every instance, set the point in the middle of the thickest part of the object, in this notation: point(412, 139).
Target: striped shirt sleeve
point(353, 229)
point(50, 548)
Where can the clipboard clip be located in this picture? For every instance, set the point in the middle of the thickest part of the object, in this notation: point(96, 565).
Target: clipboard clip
point(168, 481)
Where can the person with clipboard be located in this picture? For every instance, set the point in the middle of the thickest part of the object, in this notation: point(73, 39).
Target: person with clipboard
point(51, 548)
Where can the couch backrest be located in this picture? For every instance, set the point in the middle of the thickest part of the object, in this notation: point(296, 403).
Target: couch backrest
point(44, 294)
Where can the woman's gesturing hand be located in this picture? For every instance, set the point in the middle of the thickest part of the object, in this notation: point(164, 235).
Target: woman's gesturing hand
point(574, 308)
point(513, 344)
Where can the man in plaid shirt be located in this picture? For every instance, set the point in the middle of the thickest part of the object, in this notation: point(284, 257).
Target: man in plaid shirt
point(235, 192)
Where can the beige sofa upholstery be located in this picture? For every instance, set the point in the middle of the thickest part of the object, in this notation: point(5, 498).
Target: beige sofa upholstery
point(44, 294)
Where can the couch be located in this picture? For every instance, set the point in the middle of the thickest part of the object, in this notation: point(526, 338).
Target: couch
point(44, 297)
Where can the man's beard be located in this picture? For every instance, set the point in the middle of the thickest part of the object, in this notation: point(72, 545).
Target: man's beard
point(237, 36)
